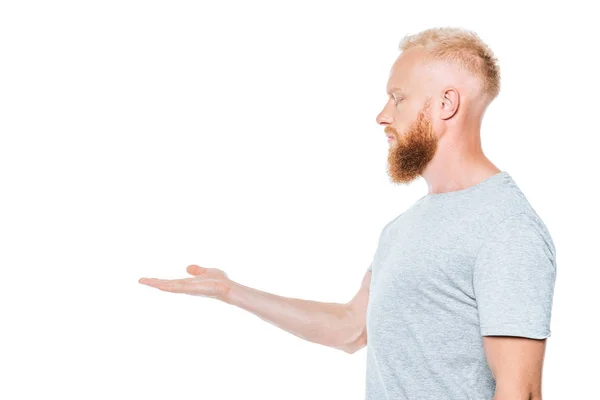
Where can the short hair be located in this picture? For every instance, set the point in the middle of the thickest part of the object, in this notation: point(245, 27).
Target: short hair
point(460, 47)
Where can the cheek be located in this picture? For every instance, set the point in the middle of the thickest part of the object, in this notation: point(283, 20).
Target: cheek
point(405, 116)
point(402, 123)
point(399, 121)
point(438, 127)
point(401, 128)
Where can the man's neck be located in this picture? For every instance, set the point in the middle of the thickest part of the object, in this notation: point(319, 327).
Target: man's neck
point(456, 168)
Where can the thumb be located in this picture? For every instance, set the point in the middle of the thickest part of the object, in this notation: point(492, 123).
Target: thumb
point(195, 270)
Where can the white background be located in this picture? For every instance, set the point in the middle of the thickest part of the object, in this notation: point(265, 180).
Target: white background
point(138, 137)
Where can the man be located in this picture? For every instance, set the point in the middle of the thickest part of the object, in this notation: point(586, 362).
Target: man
point(457, 301)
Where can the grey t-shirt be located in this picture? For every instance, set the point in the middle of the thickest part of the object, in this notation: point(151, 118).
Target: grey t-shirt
point(450, 269)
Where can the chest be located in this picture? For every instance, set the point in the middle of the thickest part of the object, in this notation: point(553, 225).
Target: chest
point(422, 255)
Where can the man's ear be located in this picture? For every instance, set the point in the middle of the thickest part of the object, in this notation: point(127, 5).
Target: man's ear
point(450, 103)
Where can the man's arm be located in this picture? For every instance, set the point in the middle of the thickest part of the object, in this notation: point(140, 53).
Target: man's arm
point(513, 282)
point(337, 325)
point(341, 326)
point(358, 312)
point(516, 363)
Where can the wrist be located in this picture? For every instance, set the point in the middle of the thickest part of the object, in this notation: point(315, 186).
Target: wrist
point(226, 289)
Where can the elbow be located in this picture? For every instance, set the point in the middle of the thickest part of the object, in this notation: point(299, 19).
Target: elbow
point(521, 394)
point(355, 333)
point(353, 350)
point(355, 346)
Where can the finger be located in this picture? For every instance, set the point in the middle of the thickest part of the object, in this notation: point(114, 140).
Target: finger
point(174, 286)
point(195, 270)
point(153, 282)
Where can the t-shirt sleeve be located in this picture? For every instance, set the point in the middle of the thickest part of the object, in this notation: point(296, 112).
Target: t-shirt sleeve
point(370, 268)
point(514, 277)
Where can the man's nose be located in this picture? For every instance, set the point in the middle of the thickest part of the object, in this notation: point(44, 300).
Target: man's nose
point(384, 118)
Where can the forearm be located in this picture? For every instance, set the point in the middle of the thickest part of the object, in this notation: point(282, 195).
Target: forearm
point(515, 381)
point(524, 396)
point(508, 393)
point(329, 324)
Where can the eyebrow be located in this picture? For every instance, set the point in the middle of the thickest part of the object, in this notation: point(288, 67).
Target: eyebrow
point(395, 90)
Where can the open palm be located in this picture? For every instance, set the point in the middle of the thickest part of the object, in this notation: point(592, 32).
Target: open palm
point(208, 282)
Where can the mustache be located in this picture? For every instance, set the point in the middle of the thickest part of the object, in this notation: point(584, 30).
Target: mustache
point(389, 130)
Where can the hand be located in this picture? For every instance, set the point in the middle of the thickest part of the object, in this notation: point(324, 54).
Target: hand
point(208, 282)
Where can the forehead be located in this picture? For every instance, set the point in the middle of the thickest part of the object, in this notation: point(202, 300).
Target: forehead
point(407, 73)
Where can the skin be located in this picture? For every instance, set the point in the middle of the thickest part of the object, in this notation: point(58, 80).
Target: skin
point(330, 324)
point(434, 113)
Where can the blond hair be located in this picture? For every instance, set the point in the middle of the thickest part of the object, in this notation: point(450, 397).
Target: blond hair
point(463, 48)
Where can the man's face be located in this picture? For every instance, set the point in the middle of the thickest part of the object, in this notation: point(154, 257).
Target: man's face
point(407, 119)
point(411, 150)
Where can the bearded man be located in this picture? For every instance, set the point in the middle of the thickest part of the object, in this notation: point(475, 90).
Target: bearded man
point(456, 303)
